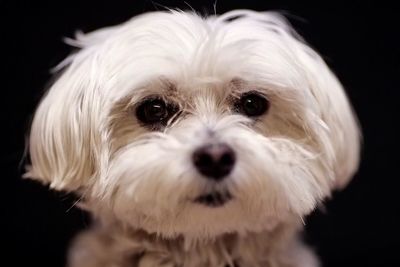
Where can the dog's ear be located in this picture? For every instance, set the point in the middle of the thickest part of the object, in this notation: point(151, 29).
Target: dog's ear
point(342, 137)
point(64, 141)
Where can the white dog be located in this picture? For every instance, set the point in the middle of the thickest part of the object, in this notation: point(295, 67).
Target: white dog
point(195, 142)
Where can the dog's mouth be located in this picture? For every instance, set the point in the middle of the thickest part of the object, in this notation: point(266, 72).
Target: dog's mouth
point(214, 199)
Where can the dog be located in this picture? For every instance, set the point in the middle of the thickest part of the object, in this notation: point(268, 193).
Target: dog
point(195, 141)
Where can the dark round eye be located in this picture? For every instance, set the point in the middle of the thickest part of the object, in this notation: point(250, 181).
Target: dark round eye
point(252, 104)
point(154, 110)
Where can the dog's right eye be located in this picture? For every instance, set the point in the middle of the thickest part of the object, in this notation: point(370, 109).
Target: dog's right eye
point(155, 111)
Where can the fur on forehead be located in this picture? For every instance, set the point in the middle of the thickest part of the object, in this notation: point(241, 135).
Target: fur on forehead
point(193, 51)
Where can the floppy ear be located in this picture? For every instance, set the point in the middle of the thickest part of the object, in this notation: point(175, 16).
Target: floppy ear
point(61, 139)
point(336, 114)
point(64, 141)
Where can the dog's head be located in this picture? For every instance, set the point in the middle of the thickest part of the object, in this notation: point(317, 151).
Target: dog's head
point(178, 124)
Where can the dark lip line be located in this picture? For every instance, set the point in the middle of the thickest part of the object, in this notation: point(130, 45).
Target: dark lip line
point(214, 199)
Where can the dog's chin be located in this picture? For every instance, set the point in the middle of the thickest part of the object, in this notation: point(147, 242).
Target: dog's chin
point(213, 199)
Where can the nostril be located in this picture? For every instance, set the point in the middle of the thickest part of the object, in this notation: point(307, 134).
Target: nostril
point(203, 159)
point(227, 159)
point(214, 161)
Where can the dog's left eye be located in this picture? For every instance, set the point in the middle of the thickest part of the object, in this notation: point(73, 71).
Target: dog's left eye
point(252, 104)
point(154, 111)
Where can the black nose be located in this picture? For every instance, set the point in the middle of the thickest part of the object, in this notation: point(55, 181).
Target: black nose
point(214, 161)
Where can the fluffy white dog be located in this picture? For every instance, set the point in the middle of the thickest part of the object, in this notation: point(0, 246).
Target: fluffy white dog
point(195, 142)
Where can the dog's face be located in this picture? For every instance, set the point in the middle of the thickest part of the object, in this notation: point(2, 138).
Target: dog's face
point(182, 125)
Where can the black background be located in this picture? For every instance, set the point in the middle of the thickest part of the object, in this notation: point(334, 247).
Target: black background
point(359, 40)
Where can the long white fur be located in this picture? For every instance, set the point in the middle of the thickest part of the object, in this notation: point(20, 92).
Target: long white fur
point(139, 183)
